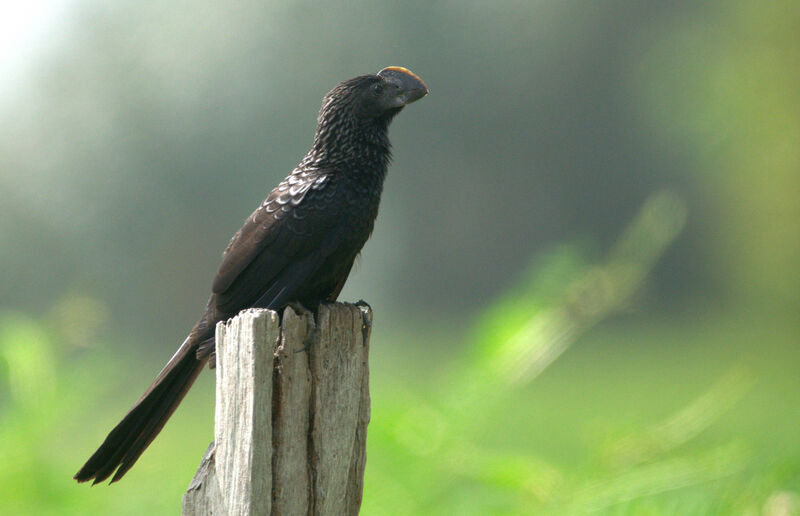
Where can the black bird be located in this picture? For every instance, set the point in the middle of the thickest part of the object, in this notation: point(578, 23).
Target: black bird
point(297, 247)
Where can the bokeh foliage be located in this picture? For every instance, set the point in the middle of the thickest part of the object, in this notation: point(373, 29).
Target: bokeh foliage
point(584, 272)
point(724, 87)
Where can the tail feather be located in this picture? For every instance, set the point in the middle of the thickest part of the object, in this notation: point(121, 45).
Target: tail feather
point(159, 418)
point(126, 442)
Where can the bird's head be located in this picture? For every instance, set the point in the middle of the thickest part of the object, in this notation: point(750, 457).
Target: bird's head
point(355, 116)
point(391, 89)
point(379, 96)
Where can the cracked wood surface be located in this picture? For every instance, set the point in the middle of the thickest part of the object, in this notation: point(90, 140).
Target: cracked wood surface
point(291, 415)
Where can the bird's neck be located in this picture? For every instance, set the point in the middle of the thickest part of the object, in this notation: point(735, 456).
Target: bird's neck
point(348, 144)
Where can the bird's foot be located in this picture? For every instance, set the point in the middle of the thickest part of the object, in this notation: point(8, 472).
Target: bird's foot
point(365, 311)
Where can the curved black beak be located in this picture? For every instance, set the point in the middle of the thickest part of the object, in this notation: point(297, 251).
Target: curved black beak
point(410, 87)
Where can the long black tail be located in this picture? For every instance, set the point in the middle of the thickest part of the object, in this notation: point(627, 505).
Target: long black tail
point(141, 425)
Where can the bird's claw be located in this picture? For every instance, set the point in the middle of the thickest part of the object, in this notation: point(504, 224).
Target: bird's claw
point(365, 309)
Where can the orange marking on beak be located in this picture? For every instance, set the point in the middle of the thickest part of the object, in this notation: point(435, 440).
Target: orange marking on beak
point(406, 70)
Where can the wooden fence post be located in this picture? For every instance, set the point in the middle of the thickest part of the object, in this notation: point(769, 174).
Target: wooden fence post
point(291, 415)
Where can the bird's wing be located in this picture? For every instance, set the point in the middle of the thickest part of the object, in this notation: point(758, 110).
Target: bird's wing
point(279, 245)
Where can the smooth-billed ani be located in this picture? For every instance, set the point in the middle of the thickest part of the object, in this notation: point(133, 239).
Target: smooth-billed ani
point(297, 247)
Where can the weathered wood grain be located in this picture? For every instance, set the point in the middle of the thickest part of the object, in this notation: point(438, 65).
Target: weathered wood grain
point(291, 415)
point(291, 470)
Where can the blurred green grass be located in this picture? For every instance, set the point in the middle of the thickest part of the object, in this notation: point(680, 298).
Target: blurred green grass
point(590, 426)
point(567, 438)
point(569, 442)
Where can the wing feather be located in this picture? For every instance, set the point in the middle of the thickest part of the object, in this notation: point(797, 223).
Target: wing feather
point(280, 245)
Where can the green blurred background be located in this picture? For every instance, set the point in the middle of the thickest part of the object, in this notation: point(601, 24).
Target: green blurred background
point(584, 272)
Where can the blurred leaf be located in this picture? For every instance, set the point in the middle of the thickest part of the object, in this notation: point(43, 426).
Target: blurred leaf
point(592, 294)
point(30, 360)
point(658, 477)
point(683, 425)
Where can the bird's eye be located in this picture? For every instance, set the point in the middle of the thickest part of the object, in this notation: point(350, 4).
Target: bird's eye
point(377, 88)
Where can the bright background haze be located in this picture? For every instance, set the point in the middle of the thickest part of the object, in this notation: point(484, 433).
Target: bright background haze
point(584, 272)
